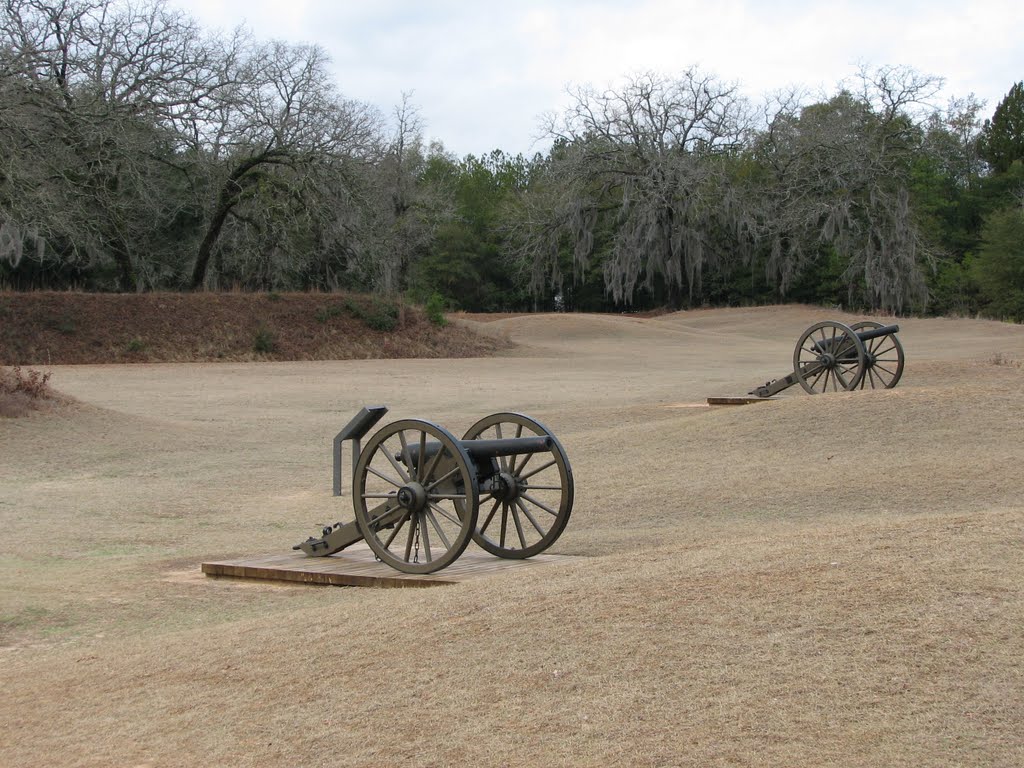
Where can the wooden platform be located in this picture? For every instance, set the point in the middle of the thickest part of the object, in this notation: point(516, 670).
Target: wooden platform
point(740, 400)
point(356, 567)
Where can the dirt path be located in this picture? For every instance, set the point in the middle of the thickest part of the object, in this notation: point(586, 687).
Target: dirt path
point(829, 580)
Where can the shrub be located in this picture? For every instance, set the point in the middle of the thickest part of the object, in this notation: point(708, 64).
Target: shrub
point(1000, 359)
point(323, 314)
point(32, 383)
point(64, 325)
point(435, 310)
point(354, 309)
point(383, 316)
point(264, 341)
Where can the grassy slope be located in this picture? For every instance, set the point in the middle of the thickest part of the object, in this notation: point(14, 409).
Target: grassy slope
point(49, 328)
point(830, 580)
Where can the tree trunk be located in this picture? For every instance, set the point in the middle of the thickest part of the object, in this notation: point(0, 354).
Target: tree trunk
point(229, 196)
point(220, 215)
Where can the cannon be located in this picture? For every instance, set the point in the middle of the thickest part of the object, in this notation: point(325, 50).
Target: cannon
point(420, 495)
point(834, 357)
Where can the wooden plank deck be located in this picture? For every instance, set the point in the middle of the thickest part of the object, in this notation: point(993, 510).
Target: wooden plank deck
point(356, 567)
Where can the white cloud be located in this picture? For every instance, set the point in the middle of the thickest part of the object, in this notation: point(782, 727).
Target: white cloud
point(483, 72)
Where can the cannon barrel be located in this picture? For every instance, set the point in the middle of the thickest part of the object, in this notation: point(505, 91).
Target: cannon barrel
point(866, 335)
point(488, 449)
point(874, 333)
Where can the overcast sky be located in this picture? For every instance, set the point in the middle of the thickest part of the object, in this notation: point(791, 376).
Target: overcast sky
point(483, 71)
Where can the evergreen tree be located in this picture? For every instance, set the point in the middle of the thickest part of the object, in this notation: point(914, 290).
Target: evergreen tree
point(999, 265)
point(1003, 136)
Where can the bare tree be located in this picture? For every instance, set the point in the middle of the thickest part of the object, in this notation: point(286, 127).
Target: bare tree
point(403, 211)
point(91, 90)
point(129, 136)
point(641, 185)
point(280, 122)
point(839, 180)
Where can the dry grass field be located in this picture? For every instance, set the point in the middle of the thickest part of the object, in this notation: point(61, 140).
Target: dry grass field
point(835, 580)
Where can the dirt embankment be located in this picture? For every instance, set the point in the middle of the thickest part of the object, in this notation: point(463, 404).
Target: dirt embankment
point(52, 328)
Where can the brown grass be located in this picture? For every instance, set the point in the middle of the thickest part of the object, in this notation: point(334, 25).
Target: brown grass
point(24, 392)
point(831, 580)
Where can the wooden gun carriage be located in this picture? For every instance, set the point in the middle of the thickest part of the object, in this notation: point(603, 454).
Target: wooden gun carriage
point(420, 495)
point(830, 356)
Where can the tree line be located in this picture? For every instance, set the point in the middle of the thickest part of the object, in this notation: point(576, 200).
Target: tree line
point(139, 152)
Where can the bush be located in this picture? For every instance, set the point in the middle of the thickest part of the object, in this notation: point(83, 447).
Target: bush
point(998, 266)
point(264, 341)
point(323, 314)
point(32, 383)
point(383, 316)
point(435, 308)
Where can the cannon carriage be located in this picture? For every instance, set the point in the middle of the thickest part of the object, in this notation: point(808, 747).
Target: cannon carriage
point(833, 357)
point(420, 495)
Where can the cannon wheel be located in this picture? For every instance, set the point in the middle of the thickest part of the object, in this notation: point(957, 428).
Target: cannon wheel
point(829, 358)
point(884, 365)
point(416, 507)
point(532, 507)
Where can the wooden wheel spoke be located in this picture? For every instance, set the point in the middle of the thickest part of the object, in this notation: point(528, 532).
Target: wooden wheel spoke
point(817, 376)
point(394, 463)
point(441, 479)
point(444, 513)
point(887, 370)
point(537, 470)
point(438, 529)
point(536, 503)
point(410, 465)
point(398, 527)
point(490, 515)
point(413, 527)
point(422, 463)
point(502, 460)
point(533, 521)
point(383, 477)
point(425, 537)
point(504, 523)
point(515, 469)
point(879, 352)
point(842, 376)
point(519, 523)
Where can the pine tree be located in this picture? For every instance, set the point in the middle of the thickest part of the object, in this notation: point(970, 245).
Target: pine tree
point(1003, 136)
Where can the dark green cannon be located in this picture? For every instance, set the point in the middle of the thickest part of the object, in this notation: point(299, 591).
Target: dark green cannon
point(832, 357)
point(420, 495)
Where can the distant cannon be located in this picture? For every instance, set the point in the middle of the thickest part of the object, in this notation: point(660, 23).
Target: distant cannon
point(834, 357)
point(420, 495)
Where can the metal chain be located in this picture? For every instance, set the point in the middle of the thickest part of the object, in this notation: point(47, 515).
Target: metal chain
point(416, 551)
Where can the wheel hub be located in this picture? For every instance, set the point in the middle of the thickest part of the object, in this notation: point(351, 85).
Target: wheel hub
point(506, 487)
point(412, 496)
